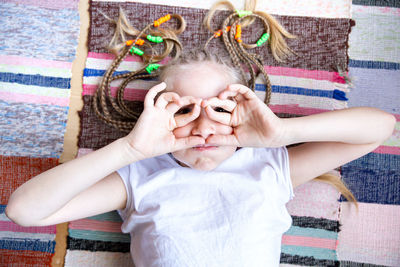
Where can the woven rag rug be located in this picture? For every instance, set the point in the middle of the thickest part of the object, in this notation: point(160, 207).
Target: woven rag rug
point(325, 231)
point(38, 44)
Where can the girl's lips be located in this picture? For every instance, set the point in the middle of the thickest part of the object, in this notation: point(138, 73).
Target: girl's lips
point(205, 147)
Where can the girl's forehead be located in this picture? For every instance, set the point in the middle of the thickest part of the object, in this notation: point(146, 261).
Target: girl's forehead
point(201, 80)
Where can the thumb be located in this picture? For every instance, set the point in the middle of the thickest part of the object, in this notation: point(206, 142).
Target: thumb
point(223, 140)
point(188, 142)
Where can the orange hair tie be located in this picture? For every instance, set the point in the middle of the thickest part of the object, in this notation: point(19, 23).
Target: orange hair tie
point(238, 33)
point(162, 20)
point(219, 32)
point(138, 42)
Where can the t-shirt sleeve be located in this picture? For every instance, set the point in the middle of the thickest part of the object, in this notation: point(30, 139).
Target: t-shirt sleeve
point(125, 173)
point(278, 160)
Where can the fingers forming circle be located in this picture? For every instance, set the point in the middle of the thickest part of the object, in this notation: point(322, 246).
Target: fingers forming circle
point(164, 99)
point(152, 93)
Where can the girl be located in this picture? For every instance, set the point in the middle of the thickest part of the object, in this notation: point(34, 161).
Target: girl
point(186, 193)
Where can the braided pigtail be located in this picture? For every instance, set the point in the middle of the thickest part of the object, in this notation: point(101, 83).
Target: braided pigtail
point(231, 33)
point(142, 44)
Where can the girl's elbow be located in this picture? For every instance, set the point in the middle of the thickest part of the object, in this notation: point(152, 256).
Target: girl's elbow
point(390, 123)
point(17, 217)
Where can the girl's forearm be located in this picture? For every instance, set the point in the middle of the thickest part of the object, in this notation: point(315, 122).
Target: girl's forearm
point(358, 125)
point(47, 192)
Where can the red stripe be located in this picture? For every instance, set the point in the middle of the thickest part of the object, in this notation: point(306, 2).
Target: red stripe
point(309, 241)
point(24, 258)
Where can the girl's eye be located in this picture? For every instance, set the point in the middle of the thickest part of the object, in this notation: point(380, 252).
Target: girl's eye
point(219, 109)
point(184, 110)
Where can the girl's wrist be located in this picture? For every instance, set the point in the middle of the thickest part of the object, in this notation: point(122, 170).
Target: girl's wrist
point(130, 152)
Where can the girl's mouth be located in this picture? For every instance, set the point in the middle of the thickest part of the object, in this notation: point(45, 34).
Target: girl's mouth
point(205, 147)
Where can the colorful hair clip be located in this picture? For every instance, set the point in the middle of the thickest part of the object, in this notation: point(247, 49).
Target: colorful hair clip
point(242, 13)
point(263, 39)
point(136, 51)
point(162, 20)
point(238, 33)
point(155, 39)
point(138, 42)
point(219, 32)
point(152, 67)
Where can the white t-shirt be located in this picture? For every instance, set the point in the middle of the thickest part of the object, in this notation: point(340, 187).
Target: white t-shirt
point(232, 216)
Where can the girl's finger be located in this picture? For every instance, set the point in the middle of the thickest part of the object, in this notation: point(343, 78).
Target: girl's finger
point(223, 140)
point(151, 94)
point(183, 101)
point(188, 142)
point(226, 104)
point(183, 119)
point(221, 117)
point(165, 98)
point(246, 92)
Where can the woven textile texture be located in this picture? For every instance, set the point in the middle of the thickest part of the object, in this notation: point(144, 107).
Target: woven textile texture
point(309, 83)
point(35, 74)
point(373, 235)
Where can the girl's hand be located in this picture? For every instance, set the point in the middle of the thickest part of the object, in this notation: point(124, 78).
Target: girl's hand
point(254, 124)
point(152, 134)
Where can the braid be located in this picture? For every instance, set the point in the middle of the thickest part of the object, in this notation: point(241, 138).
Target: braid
point(151, 32)
point(238, 50)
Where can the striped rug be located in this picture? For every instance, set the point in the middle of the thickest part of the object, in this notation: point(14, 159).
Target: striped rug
point(308, 84)
point(39, 40)
point(373, 235)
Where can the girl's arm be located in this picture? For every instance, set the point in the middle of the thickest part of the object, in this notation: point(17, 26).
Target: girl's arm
point(332, 138)
point(35, 202)
point(89, 185)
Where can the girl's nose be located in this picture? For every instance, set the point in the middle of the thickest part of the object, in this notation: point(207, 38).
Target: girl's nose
point(203, 126)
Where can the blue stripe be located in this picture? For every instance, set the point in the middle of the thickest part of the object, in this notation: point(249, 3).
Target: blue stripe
point(335, 94)
point(100, 236)
point(373, 64)
point(96, 73)
point(37, 80)
point(311, 232)
point(374, 178)
point(318, 253)
point(28, 244)
point(2, 208)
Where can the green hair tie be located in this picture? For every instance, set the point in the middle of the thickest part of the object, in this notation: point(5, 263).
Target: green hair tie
point(152, 67)
point(136, 51)
point(155, 39)
point(242, 13)
point(263, 39)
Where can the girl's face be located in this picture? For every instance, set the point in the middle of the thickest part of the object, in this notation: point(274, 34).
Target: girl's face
point(201, 80)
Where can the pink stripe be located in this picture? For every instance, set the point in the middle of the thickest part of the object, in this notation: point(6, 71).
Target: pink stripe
point(48, 3)
point(295, 109)
point(130, 94)
point(387, 150)
point(309, 241)
point(12, 227)
point(129, 58)
point(309, 74)
point(315, 199)
point(34, 62)
point(371, 234)
point(35, 99)
point(95, 225)
point(281, 71)
point(397, 116)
